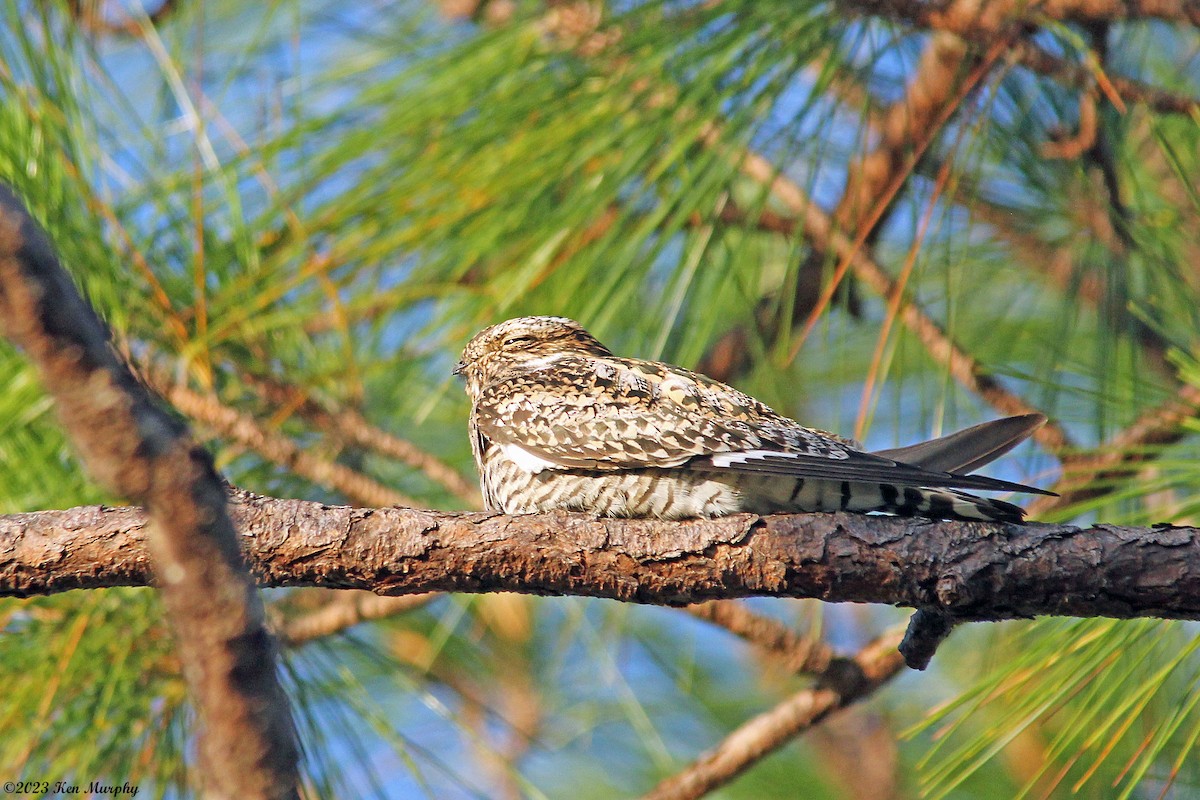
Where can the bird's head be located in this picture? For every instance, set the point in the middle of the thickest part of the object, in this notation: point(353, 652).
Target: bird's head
point(520, 345)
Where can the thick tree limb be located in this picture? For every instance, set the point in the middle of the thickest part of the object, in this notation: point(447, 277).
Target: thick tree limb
point(973, 571)
point(905, 129)
point(247, 743)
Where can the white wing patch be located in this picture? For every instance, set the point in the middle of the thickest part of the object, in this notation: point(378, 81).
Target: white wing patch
point(750, 456)
point(530, 462)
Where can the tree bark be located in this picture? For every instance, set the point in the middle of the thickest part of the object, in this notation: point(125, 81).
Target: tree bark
point(969, 571)
point(247, 741)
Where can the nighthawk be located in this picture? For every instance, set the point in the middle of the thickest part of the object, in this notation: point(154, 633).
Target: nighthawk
point(559, 422)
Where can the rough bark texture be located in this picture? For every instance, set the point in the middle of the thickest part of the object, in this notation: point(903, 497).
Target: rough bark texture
point(972, 571)
point(247, 744)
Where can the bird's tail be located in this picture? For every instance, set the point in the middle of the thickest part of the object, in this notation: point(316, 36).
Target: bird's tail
point(799, 495)
point(946, 504)
point(967, 450)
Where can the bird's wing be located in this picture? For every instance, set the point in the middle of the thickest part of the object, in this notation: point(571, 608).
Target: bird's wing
point(857, 467)
point(968, 449)
point(592, 413)
point(602, 414)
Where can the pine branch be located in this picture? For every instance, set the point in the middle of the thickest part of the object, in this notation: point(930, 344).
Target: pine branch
point(1057, 265)
point(970, 570)
point(247, 744)
point(824, 236)
point(1090, 474)
point(795, 652)
point(979, 20)
point(873, 183)
point(350, 426)
point(907, 127)
point(345, 610)
point(844, 682)
point(91, 17)
point(1079, 76)
point(207, 410)
point(821, 234)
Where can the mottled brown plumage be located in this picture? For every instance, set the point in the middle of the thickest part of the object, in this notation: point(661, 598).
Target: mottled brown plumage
point(558, 421)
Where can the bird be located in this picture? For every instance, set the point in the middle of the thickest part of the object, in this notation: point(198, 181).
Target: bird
point(558, 421)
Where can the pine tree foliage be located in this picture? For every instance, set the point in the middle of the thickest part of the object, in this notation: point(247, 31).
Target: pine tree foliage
point(306, 208)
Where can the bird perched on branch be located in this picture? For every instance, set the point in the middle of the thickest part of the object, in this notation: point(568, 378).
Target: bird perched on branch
point(559, 422)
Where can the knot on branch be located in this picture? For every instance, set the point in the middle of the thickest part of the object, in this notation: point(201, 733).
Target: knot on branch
point(927, 629)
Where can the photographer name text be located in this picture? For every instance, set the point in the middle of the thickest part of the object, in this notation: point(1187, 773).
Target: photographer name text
point(66, 787)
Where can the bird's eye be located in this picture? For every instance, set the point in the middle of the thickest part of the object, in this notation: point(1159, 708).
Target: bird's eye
point(517, 340)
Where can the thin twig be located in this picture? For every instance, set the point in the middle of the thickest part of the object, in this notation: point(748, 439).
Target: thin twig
point(894, 300)
point(89, 14)
point(819, 230)
point(1091, 474)
point(797, 653)
point(1079, 76)
point(846, 681)
point(351, 427)
point(345, 610)
point(209, 411)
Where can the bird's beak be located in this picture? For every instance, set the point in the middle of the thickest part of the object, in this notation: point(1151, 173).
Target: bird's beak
point(458, 368)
